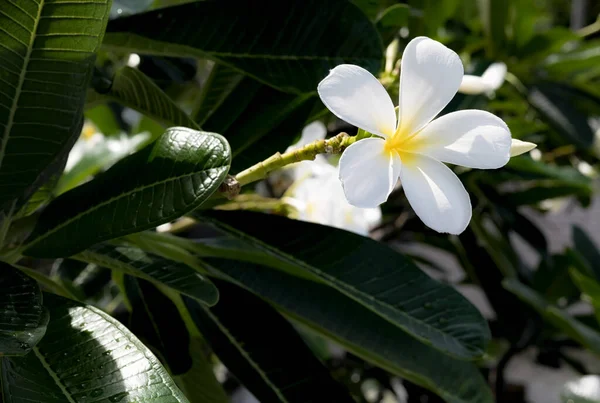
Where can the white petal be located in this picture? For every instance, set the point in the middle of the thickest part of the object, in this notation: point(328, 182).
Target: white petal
point(356, 96)
point(367, 173)
point(436, 195)
point(518, 147)
point(471, 138)
point(430, 76)
point(494, 75)
point(473, 85)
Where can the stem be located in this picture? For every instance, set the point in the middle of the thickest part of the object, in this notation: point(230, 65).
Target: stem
point(334, 145)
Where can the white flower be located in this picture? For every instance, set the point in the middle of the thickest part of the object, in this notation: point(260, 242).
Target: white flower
point(491, 79)
point(311, 133)
point(413, 147)
point(320, 199)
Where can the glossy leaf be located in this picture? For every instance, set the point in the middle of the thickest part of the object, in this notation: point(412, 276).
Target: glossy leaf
point(47, 55)
point(370, 273)
point(130, 87)
point(263, 350)
point(154, 268)
point(557, 317)
point(290, 55)
point(161, 182)
point(86, 356)
point(359, 330)
point(23, 319)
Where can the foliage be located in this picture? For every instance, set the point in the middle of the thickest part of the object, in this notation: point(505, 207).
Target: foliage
point(125, 275)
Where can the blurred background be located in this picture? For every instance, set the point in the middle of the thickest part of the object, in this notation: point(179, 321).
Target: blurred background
point(530, 260)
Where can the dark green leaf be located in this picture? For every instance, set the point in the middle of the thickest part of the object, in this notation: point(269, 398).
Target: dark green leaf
point(259, 121)
point(154, 268)
point(86, 356)
point(494, 14)
point(47, 53)
point(360, 331)
point(155, 320)
point(391, 20)
point(161, 182)
point(23, 319)
point(132, 88)
point(544, 191)
point(289, 54)
point(588, 250)
point(371, 273)
point(263, 350)
point(562, 320)
point(559, 112)
point(219, 85)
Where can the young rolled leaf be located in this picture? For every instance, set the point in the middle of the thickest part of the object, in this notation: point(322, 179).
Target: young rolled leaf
point(46, 59)
point(291, 56)
point(370, 273)
point(130, 87)
point(159, 183)
point(23, 319)
point(86, 356)
point(359, 330)
point(263, 350)
point(154, 268)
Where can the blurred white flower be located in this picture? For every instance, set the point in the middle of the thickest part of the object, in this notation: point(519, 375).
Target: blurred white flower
point(303, 169)
point(491, 79)
point(414, 146)
point(319, 198)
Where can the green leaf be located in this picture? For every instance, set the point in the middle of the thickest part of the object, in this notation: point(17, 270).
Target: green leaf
point(152, 267)
point(155, 320)
point(578, 331)
point(221, 82)
point(130, 87)
point(23, 319)
point(290, 54)
point(544, 191)
point(558, 110)
point(259, 121)
point(163, 181)
point(370, 273)
point(104, 119)
point(583, 390)
point(96, 154)
point(494, 14)
point(588, 250)
point(391, 20)
point(199, 383)
point(360, 331)
point(47, 53)
point(263, 350)
point(588, 286)
point(86, 356)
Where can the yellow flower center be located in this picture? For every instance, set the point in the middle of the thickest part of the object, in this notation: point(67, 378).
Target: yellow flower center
point(405, 144)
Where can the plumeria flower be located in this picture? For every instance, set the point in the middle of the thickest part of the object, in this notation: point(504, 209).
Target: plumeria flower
point(491, 79)
point(414, 147)
point(320, 199)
